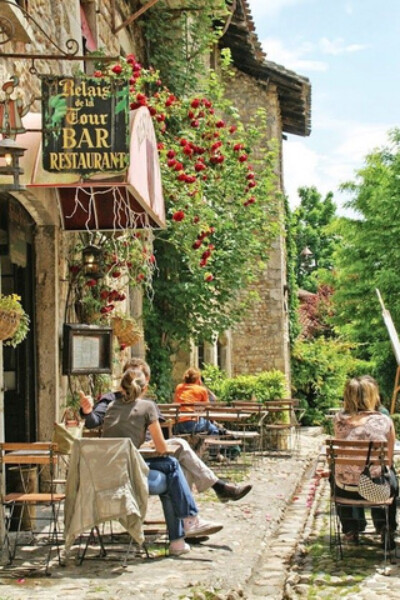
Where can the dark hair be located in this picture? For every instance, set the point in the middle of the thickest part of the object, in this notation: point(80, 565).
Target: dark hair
point(133, 383)
point(138, 363)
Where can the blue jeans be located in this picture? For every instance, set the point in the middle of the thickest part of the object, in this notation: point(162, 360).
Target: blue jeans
point(174, 492)
point(201, 426)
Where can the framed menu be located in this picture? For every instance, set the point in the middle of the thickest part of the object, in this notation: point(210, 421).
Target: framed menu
point(87, 349)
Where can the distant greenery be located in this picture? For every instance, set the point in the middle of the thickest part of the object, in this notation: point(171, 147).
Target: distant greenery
point(368, 257)
point(396, 421)
point(310, 231)
point(323, 356)
point(292, 289)
point(268, 385)
point(320, 368)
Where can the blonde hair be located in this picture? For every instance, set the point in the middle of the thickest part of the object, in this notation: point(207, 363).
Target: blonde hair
point(360, 394)
point(191, 375)
point(133, 383)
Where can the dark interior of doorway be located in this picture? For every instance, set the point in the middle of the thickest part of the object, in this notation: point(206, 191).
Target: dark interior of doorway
point(19, 363)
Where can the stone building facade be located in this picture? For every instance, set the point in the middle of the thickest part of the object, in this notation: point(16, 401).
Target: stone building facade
point(260, 342)
point(32, 386)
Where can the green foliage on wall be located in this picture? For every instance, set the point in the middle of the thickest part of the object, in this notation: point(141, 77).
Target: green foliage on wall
point(222, 210)
point(179, 40)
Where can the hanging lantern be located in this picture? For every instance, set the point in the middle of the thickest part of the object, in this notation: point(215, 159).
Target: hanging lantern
point(93, 261)
point(10, 153)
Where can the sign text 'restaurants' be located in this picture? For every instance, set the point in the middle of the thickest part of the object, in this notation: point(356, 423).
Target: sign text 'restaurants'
point(85, 125)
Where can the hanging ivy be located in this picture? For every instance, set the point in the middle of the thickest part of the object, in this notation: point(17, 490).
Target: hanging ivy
point(179, 38)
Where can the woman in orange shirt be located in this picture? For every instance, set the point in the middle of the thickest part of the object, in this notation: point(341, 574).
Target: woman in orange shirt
point(192, 391)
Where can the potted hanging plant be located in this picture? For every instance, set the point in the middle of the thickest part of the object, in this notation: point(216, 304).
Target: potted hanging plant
point(14, 322)
point(126, 329)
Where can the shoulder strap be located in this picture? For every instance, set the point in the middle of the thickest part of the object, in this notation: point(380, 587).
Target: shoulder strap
point(367, 462)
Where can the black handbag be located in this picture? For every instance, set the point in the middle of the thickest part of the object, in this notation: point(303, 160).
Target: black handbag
point(374, 491)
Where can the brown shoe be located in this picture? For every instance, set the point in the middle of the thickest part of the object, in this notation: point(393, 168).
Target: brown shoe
point(233, 492)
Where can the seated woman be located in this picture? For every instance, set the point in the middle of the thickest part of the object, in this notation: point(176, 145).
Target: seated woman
point(192, 391)
point(130, 415)
point(359, 420)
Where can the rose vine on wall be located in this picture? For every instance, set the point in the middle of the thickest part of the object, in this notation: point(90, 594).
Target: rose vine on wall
point(222, 209)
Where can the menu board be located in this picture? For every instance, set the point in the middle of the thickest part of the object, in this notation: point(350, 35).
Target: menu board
point(87, 349)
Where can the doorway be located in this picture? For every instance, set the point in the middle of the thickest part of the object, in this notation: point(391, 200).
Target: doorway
point(19, 364)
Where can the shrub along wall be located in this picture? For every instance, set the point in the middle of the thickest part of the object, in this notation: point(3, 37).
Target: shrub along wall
point(268, 385)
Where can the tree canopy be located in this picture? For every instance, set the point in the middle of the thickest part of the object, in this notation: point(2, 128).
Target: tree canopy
point(368, 257)
point(313, 239)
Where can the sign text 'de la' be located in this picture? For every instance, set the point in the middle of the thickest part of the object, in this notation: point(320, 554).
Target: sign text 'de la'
point(85, 124)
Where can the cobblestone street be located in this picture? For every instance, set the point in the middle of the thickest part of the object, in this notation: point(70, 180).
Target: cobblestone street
point(274, 545)
point(361, 575)
point(249, 558)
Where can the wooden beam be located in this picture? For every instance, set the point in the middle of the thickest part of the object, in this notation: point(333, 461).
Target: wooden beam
point(133, 17)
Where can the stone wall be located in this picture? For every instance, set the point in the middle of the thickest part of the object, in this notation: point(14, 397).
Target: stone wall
point(60, 21)
point(261, 341)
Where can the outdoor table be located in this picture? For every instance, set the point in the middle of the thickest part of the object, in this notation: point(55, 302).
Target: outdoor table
point(147, 450)
point(215, 415)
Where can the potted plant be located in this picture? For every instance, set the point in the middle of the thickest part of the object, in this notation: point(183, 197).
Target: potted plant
point(14, 322)
point(126, 329)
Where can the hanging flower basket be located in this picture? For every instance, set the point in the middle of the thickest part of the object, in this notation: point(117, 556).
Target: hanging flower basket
point(9, 323)
point(127, 330)
point(14, 321)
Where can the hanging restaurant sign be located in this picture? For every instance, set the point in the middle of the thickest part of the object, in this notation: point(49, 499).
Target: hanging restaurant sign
point(85, 124)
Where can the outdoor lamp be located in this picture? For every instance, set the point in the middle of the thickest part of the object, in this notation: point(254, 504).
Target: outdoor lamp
point(11, 152)
point(92, 259)
point(307, 259)
point(306, 253)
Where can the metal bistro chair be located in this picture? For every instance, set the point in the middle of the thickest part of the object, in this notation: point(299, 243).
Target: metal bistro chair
point(279, 426)
point(354, 453)
point(25, 457)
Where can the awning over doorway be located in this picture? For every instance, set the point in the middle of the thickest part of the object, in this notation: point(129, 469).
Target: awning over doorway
point(117, 201)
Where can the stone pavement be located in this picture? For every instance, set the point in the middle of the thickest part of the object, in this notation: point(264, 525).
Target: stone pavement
point(361, 575)
point(249, 558)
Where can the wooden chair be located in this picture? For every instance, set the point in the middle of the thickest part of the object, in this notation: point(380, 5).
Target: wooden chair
point(170, 412)
point(279, 426)
point(354, 453)
point(35, 457)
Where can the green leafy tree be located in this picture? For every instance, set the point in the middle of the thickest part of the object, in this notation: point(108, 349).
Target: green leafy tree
point(320, 368)
point(368, 258)
point(314, 241)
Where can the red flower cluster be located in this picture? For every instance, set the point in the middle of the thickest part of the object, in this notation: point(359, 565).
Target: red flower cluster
point(178, 216)
point(205, 153)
